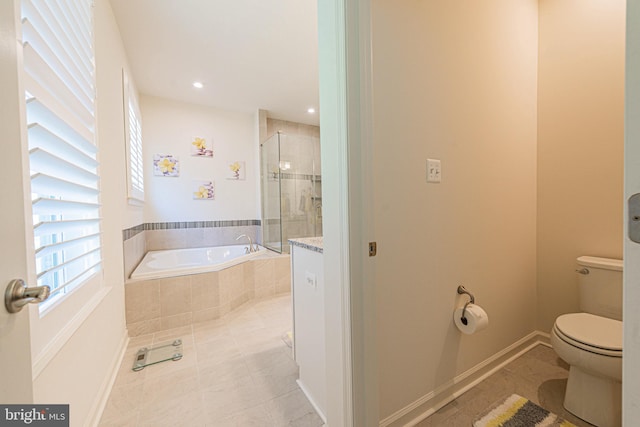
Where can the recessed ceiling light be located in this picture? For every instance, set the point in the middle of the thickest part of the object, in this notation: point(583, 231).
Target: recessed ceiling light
point(198, 85)
point(311, 110)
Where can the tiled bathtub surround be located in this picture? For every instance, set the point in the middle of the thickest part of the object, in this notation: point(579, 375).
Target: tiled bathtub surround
point(180, 238)
point(157, 236)
point(160, 304)
point(134, 249)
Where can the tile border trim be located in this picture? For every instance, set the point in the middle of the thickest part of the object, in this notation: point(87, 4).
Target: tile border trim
point(133, 231)
point(301, 176)
point(148, 226)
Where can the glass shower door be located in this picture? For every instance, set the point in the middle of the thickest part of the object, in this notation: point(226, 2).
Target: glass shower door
point(291, 189)
point(300, 184)
point(271, 193)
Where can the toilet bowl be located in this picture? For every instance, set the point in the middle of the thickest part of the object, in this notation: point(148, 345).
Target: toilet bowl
point(591, 343)
point(592, 346)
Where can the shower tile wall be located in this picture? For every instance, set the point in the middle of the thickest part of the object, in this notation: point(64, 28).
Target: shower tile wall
point(289, 128)
point(301, 187)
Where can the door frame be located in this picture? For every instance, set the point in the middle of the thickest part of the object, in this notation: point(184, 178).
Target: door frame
point(15, 331)
point(631, 324)
point(346, 132)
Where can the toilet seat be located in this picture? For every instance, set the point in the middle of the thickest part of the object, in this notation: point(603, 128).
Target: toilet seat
point(592, 333)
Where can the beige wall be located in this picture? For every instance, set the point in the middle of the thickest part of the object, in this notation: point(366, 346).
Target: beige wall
point(455, 81)
point(580, 144)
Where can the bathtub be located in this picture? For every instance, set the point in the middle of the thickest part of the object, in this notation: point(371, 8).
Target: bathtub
point(176, 288)
point(180, 262)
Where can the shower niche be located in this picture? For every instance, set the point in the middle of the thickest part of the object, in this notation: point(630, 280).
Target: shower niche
point(291, 187)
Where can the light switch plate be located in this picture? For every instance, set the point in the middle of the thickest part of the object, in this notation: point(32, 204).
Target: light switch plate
point(434, 171)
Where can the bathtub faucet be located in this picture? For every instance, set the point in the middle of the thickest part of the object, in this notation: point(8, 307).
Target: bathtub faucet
point(251, 247)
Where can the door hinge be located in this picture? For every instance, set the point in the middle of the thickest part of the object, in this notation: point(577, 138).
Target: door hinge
point(373, 248)
point(634, 218)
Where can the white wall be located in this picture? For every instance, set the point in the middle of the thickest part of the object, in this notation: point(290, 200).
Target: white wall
point(81, 371)
point(169, 127)
point(462, 88)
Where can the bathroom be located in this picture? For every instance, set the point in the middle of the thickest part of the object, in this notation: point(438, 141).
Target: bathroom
point(499, 206)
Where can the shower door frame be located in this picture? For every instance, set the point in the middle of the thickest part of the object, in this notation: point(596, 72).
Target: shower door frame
point(264, 179)
point(631, 270)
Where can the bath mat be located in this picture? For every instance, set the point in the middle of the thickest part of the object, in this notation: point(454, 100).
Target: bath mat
point(516, 411)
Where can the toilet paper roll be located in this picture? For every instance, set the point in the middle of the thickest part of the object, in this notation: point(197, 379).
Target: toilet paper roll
point(476, 319)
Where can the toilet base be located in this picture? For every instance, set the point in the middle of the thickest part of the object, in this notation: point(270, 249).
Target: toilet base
point(595, 399)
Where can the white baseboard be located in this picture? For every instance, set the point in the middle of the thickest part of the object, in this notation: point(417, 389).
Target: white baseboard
point(105, 389)
point(422, 408)
point(313, 403)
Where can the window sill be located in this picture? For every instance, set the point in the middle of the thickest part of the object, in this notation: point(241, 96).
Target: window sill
point(135, 202)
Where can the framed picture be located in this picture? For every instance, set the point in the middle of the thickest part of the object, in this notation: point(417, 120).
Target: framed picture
point(204, 190)
point(237, 171)
point(166, 165)
point(200, 147)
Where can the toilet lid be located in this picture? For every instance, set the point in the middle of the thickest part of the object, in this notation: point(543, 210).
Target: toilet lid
point(592, 330)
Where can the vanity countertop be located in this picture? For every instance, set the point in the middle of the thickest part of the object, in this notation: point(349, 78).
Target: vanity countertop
point(311, 243)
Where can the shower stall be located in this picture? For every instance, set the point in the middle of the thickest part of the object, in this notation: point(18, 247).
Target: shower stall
point(291, 187)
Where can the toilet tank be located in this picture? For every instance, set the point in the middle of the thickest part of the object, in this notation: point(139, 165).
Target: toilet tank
point(600, 286)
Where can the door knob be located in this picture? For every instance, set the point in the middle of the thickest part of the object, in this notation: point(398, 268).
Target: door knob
point(18, 295)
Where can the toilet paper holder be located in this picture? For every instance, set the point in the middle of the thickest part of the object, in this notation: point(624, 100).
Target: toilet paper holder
point(462, 290)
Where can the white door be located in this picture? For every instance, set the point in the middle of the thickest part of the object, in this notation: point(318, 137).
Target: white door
point(15, 347)
point(631, 360)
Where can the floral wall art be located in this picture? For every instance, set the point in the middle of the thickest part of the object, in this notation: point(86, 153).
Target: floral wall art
point(201, 148)
point(204, 190)
point(237, 171)
point(166, 165)
point(171, 128)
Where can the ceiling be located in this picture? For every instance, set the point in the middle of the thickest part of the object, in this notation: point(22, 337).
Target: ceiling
point(249, 54)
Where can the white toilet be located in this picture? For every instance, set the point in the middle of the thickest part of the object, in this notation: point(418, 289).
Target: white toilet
point(591, 343)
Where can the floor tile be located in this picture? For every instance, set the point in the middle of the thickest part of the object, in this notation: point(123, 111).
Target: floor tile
point(235, 371)
point(538, 375)
point(292, 409)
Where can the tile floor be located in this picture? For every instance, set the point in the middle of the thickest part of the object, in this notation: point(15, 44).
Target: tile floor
point(236, 371)
point(539, 375)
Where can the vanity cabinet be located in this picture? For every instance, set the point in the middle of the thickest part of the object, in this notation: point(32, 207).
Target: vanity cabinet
point(308, 319)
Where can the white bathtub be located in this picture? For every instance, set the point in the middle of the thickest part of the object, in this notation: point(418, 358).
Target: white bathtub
point(180, 262)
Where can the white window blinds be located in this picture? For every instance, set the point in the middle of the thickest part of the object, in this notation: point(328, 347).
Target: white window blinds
point(133, 131)
point(60, 96)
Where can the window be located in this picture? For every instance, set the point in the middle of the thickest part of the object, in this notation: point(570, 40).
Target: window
point(133, 132)
point(59, 82)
